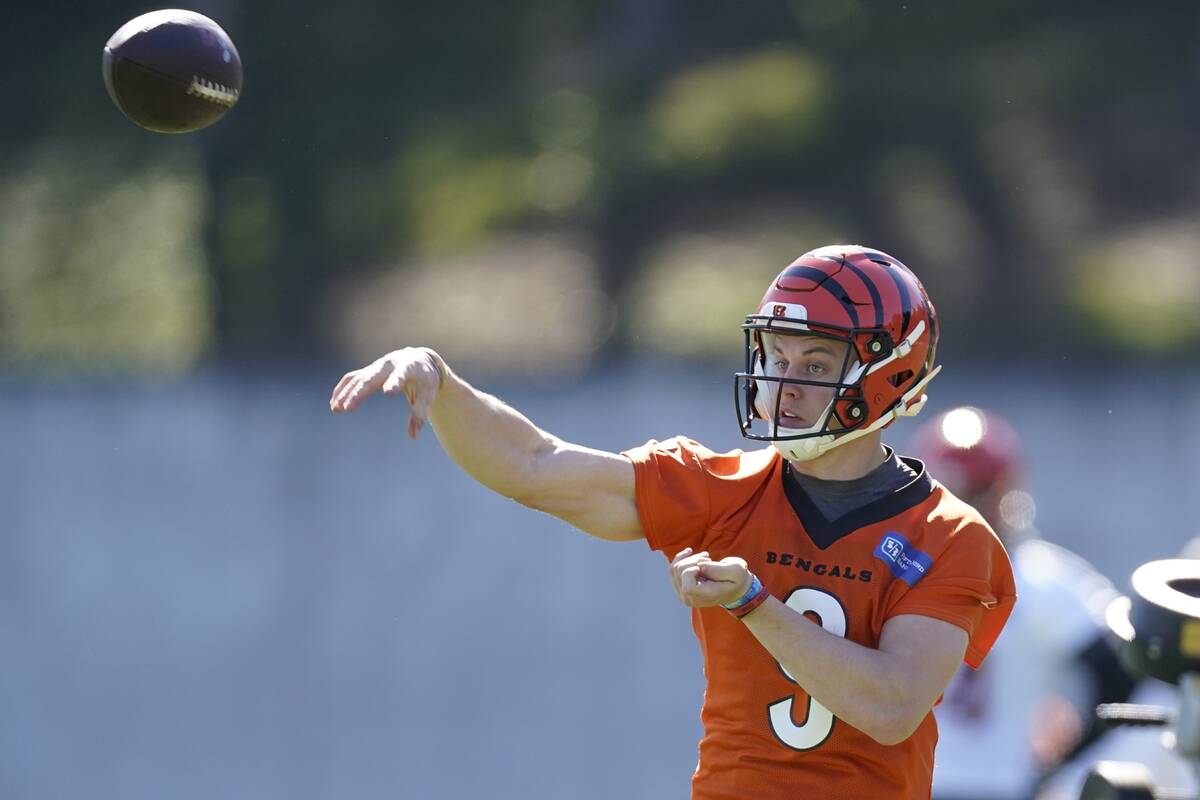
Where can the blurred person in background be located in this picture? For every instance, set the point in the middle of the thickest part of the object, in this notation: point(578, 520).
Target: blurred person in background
point(835, 586)
point(1151, 747)
point(1004, 727)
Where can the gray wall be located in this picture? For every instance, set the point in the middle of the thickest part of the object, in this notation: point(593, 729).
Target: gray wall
point(217, 588)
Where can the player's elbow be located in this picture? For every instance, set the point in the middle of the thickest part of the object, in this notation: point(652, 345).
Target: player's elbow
point(891, 735)
point(895, 724)
point(536, 493)
point(527, 480)
point(525, 496)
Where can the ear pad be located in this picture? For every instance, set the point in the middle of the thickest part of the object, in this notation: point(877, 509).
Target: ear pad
point(758, 399)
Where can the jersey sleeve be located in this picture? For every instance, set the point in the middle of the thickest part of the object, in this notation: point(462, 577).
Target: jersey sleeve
point(672, 495)
point(969, 585)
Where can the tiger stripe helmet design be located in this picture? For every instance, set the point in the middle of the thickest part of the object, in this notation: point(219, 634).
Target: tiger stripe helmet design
point(852, 294)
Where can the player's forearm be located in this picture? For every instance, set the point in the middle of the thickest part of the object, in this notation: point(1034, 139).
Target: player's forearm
point(492, 442)
point(860, 685)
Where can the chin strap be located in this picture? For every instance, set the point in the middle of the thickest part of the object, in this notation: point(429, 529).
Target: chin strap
point(909, 405)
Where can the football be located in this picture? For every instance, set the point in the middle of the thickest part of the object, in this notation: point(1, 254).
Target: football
point(172, 71)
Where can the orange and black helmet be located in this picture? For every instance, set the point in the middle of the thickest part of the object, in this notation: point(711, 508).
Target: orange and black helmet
point(852, 294)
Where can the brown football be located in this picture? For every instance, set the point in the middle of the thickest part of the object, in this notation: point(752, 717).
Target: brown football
point(172, 71)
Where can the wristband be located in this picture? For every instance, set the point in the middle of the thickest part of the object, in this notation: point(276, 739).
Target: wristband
point(754, 603)
point(754, 597)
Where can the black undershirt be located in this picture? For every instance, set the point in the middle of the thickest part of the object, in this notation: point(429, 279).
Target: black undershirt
point(830, 510)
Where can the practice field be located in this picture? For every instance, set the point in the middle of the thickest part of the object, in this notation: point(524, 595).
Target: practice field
point(344, 609)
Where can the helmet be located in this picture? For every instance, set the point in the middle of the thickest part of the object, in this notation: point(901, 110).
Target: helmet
point(978, 456)
point(859, 296)
point(971, 450)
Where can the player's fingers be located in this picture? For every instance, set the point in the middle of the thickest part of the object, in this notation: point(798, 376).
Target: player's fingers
point(396, 381)
point(415, 424)
point(341, 392)
point(678, 563)
point(341, 384)
point(676, 587)
point(682, 554)
point(356, 392)
point(342, 401)
point(689, 583)
point(367, 384)
point(682, 561)
point(673, 573)
point(368, 381)
point(727, 569)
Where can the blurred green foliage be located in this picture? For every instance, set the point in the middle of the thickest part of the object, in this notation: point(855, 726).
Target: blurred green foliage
point(719, 114)
point(1031, 161)
point(103, 265)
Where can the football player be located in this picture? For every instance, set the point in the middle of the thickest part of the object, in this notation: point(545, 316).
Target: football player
point(1003, 727)
point(835, 586)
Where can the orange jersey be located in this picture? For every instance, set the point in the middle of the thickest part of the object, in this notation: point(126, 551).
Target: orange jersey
point(917, 551)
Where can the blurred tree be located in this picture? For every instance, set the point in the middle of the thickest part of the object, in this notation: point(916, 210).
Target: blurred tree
point(989, 146)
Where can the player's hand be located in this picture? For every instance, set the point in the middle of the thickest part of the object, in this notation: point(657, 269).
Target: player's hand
point(411, 370)
point(701, 582)
point(1054, 729)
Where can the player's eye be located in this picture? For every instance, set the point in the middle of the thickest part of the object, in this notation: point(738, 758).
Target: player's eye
point(816, 369)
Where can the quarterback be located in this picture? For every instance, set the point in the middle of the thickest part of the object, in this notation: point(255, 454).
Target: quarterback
point(835, 586)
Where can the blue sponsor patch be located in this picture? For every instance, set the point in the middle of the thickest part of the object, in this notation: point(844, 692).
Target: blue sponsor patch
point(906, 562)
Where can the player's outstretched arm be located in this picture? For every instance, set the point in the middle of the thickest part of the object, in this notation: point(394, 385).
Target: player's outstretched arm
point(499, 447)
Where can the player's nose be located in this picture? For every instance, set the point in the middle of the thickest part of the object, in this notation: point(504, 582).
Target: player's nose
point(793, 391)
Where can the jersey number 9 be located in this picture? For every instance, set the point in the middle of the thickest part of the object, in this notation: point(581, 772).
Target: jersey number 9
point(818, 723)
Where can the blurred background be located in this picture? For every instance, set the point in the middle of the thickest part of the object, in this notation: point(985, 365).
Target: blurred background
point(210, 586)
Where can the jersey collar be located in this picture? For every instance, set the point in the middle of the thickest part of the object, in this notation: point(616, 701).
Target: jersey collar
point(825, 532)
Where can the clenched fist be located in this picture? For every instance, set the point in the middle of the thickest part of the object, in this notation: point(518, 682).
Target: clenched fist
point(700, 582)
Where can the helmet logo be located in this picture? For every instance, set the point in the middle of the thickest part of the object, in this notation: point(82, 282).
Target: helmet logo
point(793, 311)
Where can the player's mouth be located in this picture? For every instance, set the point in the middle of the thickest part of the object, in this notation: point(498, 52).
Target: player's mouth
point(788, 419)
